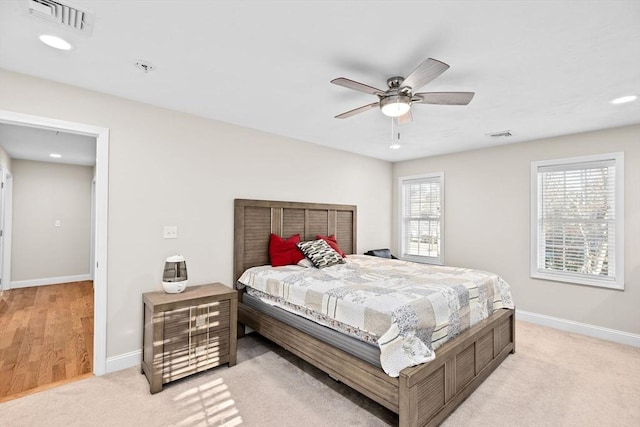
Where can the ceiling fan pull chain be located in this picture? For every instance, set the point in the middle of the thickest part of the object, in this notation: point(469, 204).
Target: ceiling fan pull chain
point(395, 131)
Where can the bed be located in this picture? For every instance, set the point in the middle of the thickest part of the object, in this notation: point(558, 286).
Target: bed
point(421, 395)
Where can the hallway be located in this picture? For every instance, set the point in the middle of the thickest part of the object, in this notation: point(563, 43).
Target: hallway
point(46, 337)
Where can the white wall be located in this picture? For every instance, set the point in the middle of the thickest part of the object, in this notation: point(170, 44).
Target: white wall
point(487, 202)
point(170, 168)
point(5, 160)
point(43, 193)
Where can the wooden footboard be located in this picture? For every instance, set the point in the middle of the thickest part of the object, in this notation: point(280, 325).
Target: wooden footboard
point(428, 393)
point(423, 395)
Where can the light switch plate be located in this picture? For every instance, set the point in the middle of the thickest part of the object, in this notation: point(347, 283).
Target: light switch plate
point(170, 232)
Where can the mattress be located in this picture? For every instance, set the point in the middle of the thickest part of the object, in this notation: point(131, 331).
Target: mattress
point(408, 310)
point(360, 349)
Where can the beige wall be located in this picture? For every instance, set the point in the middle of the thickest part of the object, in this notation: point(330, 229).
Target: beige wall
point(42, 194)
point(487, 201)
point(169, 168)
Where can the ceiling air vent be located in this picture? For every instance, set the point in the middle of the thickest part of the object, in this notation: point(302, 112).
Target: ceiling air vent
point(63, 14)
point(500, 134)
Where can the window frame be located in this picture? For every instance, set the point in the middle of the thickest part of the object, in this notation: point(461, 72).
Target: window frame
point(401, 222)
point(617, 282)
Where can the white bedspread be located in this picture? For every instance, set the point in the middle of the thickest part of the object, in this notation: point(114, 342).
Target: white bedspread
point(408, 309)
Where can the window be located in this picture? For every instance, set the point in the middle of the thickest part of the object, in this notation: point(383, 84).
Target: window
point(577, 220)
point(421, 213)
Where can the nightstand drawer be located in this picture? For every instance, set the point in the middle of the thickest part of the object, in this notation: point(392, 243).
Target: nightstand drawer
point(210, 317)
point(200, 354)
point(176, 323)
point(179, 324)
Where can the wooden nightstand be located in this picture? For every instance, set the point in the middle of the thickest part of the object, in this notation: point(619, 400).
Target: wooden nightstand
point(188, 332)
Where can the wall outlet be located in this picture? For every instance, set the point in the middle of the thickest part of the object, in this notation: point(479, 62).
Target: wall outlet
point(56, 223)
point(170, 232)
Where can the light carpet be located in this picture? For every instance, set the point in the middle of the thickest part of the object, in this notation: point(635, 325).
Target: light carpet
point(554, 379)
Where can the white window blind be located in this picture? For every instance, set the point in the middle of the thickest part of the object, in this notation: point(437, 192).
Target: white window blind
point(576, 230)
point(422, 218)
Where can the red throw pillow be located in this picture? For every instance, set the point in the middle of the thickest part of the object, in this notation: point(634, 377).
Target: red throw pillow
point(284, 251)
point(331, 240)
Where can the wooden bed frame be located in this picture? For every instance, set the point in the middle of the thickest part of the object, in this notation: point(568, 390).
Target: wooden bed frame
point(422, 395)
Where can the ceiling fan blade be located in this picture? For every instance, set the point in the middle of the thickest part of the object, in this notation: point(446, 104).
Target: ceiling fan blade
point(351, 84)
point(357, 110)
point(428, 70)
point(405, 118)
point(443, 98)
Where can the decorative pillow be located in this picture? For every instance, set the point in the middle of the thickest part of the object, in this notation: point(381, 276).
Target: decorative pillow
point(284, 251)
point(320, 253)
point(304, 262)
point(331, 240)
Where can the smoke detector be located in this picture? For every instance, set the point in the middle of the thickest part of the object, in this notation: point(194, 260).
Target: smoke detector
point(145, 66)
point(64, 15)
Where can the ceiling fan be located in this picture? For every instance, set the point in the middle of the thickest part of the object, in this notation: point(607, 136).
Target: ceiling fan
point(397, 100)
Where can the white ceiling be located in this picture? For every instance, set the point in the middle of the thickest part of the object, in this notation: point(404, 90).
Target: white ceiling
point(29, 143)
point(538, 68)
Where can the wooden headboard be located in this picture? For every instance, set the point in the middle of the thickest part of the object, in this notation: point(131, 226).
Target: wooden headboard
point(255, 220)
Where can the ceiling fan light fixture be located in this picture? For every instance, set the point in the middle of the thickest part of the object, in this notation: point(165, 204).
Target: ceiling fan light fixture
point(395, 105)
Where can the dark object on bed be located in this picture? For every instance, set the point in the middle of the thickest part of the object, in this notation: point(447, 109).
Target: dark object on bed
point(422, 395)
point(382, 253)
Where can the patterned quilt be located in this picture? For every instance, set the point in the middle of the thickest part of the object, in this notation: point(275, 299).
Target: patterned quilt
point(407, 309)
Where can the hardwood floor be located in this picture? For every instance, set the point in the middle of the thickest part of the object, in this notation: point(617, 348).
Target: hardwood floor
point(46, 337)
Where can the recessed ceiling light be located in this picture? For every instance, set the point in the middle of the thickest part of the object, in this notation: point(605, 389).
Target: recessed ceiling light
point(624, 99)
point(55, 155)
point(55, 42)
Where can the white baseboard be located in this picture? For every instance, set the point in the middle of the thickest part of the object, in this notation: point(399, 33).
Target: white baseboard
point(49, 281)
point(580, 328)
point(124, 361)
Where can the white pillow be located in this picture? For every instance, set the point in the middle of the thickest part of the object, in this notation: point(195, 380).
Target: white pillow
point(305, 262)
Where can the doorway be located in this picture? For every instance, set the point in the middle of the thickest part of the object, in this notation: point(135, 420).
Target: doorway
point(100, 223)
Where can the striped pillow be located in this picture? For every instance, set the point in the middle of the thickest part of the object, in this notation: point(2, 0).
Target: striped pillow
point(320, 253)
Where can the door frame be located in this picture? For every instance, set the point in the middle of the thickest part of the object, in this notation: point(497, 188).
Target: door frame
point(101, 218)
point(7, 224)
point(2, 225)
